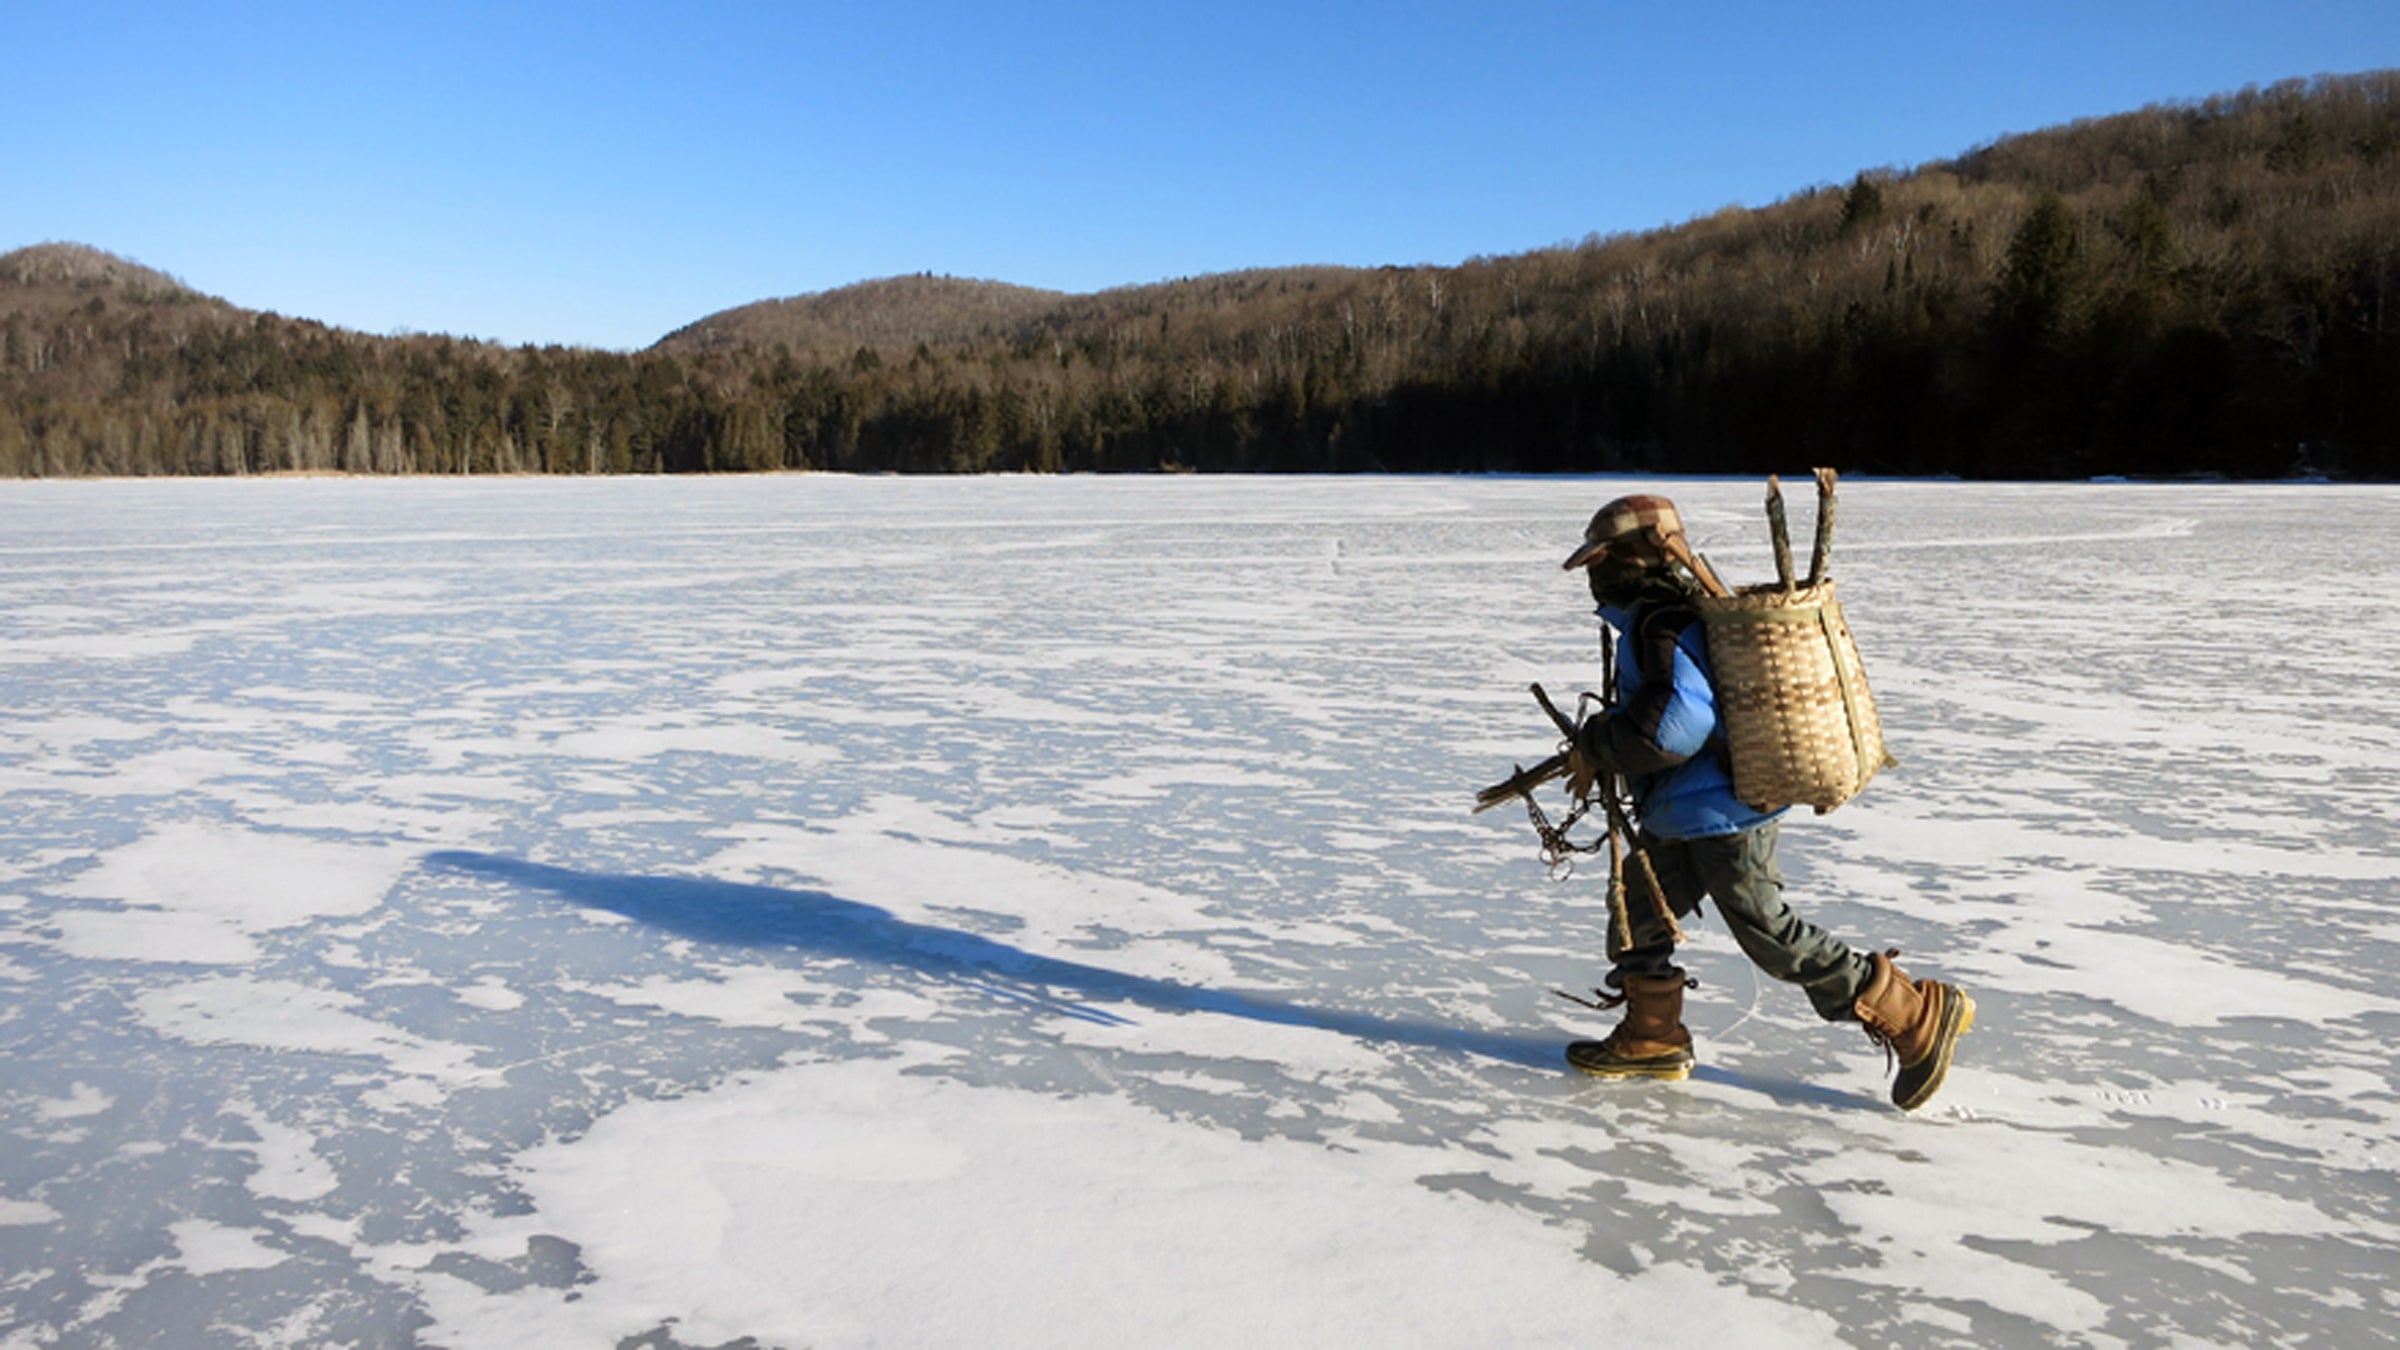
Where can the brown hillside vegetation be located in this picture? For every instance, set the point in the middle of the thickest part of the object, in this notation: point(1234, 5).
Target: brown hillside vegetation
point(2202, 287)
point(55, 271)
point(62, 304)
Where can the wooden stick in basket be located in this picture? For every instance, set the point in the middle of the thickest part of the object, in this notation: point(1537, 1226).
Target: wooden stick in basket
point(1780, 532)
point(1822, 554)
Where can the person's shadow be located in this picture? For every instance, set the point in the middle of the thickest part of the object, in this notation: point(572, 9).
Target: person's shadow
point(733, 914)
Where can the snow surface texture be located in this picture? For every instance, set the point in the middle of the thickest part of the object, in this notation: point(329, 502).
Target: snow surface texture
point(1045, 912)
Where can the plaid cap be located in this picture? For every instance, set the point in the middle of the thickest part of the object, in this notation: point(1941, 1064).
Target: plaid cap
point(1637, 525)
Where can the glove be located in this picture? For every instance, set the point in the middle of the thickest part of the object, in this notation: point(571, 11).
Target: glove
point(1591, 757)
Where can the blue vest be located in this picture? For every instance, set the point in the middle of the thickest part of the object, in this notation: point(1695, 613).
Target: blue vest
point(1693, 799)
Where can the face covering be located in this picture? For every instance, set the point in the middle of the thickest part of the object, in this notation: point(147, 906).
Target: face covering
point(1616, 581)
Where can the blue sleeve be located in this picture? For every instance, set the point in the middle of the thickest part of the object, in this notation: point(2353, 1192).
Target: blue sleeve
point(1660, 724)
point(1690, 715)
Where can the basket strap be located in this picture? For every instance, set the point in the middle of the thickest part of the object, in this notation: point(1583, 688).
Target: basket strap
point(1829, 614)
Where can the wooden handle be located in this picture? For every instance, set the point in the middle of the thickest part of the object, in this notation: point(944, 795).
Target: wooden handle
point(1565, 724)
point(1680, 550)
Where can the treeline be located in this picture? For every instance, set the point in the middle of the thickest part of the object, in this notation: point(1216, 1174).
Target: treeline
point(2195, 288)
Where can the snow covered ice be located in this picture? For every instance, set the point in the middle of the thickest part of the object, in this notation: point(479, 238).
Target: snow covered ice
point(811, 911)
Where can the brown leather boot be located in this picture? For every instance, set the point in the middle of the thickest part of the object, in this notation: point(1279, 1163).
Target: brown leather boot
point(1650, 1043)
point(1917, 1022)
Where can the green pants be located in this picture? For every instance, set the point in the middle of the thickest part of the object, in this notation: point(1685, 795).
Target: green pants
point(1737, 871)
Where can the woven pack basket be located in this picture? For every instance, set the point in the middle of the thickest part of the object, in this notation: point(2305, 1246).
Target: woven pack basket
point(1800, 724)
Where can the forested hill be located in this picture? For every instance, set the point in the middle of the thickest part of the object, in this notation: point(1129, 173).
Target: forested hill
point(2202, 287)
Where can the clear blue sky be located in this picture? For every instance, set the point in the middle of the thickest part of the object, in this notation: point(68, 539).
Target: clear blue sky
point(600, 173)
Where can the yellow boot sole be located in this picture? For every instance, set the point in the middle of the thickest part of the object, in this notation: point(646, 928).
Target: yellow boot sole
point(1600, 1061)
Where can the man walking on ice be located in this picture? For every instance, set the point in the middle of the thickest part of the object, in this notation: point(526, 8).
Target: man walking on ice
point(1663, 735)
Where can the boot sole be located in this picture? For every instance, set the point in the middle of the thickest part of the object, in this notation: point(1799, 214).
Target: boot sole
point(1958, 1014)
point(1587, 1057)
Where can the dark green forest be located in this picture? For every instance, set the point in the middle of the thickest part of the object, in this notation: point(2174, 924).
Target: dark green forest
point(2198, 288)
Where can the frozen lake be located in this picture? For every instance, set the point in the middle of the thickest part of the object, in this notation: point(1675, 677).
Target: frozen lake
point(809, 911)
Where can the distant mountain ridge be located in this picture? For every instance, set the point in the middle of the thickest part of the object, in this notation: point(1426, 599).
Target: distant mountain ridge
point(898, 313)
point(893, 311)
point(2209, 287)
